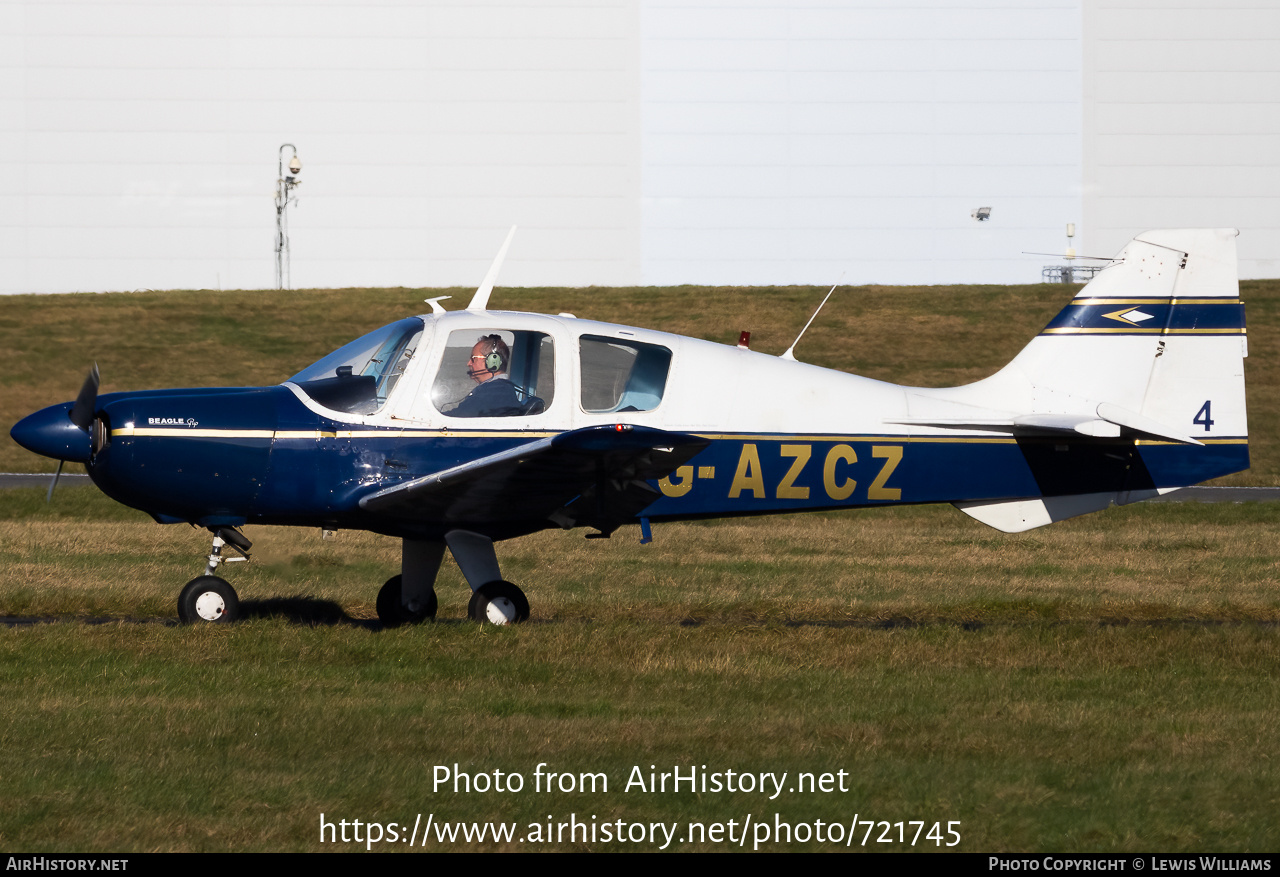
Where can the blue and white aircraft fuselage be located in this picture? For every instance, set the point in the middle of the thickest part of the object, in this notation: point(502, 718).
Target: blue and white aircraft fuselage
point(1136, 388)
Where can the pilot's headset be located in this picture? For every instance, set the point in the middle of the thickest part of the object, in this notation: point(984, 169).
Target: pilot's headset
point(494, 361)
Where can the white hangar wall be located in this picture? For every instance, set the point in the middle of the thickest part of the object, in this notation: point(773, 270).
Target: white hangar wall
point(138, 142)
point(788, 142)
point(1182, 122)
point(634, 141)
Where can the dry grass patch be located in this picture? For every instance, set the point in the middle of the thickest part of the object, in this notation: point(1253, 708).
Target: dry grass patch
point(918, 565)
point(919, 336)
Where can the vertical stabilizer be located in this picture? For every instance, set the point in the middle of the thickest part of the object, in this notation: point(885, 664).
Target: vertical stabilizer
point(1158, 337)
point(1135, 388)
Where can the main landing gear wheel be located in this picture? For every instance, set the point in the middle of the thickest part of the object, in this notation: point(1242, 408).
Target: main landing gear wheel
point(210, 600)
point(392, 613)
point(498, 602)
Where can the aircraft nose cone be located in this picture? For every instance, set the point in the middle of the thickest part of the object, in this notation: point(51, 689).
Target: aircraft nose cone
point(51, 433)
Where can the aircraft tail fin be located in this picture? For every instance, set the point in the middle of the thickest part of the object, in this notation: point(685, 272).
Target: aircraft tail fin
point(1157, 338)
point(1149, 354)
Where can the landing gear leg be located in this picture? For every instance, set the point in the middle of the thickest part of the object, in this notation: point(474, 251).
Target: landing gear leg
point(208, 598)
point(410, 598)
point(493, 601)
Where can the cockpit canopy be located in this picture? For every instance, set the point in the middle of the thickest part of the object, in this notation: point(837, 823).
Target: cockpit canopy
point(358, 377)
point(499, 370)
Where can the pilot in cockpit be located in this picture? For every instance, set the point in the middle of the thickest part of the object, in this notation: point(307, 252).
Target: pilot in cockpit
point(494, 394)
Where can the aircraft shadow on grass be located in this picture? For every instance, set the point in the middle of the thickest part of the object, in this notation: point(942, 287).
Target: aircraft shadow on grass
point(309, 611)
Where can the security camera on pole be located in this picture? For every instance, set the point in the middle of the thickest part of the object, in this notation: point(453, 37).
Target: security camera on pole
point(284, 188)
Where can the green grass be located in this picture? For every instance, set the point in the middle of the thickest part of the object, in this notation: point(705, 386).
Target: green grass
point(1065, 737)
point(1105, 684)
point(919, 336)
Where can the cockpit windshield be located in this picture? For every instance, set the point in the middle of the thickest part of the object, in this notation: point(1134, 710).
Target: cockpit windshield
point(358, 377)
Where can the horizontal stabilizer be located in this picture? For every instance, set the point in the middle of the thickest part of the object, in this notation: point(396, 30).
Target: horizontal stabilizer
point(1033, 424)
point(1090, 426)
point(1106, 423)
point(1140, 423)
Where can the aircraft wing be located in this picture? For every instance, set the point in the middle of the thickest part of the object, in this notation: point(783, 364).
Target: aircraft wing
point(596, 476)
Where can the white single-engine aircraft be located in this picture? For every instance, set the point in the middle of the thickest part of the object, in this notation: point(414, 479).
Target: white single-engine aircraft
point(460, 429)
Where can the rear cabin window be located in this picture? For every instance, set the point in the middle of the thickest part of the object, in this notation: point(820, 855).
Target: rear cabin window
point(619, 375)
point(495, 373)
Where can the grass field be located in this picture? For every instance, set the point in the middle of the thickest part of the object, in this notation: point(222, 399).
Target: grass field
point(1105, 684)
point(921, 336)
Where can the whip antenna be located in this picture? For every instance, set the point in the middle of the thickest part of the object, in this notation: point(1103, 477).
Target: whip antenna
point(791, 351)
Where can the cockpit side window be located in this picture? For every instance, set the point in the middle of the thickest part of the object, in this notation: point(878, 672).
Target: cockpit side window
point(622, 375)
point(357, 378)
point(495, 373)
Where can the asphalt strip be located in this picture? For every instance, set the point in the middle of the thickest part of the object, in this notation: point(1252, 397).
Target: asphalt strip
point(66, 479)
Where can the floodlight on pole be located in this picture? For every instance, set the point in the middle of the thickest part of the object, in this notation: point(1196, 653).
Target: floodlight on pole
point(285, 184)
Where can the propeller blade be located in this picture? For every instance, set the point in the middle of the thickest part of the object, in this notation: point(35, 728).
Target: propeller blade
point(82, 411)
point(48, 498)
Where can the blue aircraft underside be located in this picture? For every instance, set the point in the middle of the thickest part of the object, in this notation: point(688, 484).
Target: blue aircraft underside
point(229, 457)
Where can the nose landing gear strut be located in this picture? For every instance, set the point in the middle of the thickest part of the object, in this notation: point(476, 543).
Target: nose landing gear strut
point(208, 598)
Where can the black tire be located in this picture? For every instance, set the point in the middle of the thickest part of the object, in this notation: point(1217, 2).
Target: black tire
point(496, 600)
point(208, 600)
point(393, 614)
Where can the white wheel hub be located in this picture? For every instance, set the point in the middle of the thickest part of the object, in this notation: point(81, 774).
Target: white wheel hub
point(500, 611)
point(210, 606)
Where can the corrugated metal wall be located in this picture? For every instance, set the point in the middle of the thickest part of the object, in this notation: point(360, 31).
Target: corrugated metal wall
point(634, 141)
point(1182, 122)
point(140, 140)
point(786, 143)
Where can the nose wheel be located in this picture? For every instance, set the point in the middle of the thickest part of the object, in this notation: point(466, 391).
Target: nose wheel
point(208, 600)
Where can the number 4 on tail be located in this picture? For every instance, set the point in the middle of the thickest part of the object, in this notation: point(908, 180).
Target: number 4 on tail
point(1203, 417)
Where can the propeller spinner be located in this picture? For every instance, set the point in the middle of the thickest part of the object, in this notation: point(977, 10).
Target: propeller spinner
point(63, 432)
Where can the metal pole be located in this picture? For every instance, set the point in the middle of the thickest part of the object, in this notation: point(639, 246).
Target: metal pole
point(284, 186)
